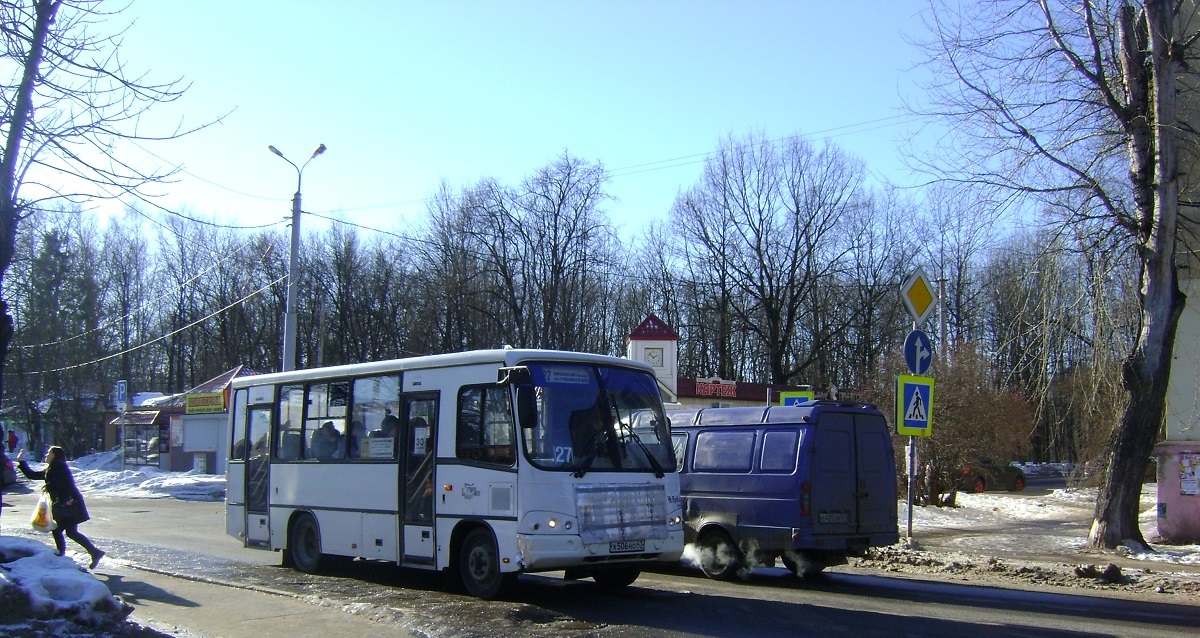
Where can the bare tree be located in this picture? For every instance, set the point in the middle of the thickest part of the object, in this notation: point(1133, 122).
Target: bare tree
point(762, 222)
point(70, 99)
point(1073, 103)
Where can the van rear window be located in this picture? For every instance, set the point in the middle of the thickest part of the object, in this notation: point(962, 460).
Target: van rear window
point(724, 452)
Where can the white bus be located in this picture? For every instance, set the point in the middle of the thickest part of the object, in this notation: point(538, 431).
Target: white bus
point(485, 464)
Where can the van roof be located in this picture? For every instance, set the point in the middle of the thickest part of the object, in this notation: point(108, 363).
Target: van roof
point(758, 415)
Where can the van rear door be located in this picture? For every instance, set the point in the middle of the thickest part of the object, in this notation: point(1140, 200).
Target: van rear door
point(876, 475)
point(834, 475)
point(853, 478)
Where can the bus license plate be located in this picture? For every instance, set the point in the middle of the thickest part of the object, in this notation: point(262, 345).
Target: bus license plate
point(616, 547)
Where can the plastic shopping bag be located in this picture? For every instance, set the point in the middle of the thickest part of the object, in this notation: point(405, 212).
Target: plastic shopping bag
point(41, 520)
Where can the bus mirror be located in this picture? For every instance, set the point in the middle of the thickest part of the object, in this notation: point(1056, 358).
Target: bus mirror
point(526, 407)
point(518, 375)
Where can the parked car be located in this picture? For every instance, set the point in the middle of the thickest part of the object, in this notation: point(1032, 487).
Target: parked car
point(8, 472)
point(983, 474)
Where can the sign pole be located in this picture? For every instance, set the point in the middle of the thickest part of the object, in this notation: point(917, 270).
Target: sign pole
point(918, 298)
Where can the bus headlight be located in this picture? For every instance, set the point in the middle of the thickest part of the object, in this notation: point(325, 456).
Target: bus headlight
point(674, 521)
point(548, 523)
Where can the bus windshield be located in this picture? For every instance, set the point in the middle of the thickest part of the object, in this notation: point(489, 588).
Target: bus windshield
point(597, 418)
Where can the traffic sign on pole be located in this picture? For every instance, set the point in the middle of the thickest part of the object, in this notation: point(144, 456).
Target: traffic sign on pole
point(122, 395)
point(796, 397)
point(918, 352)
point(918, 297)
point(914, 405)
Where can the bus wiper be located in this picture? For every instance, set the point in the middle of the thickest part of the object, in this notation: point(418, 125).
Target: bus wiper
point(654, 464)
point(590, 457)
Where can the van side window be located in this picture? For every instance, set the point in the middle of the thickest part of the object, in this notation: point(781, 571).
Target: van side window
point(779, 452)
point(724, 451)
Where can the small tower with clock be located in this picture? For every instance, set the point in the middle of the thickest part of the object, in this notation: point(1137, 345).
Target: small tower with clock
point(655, 343)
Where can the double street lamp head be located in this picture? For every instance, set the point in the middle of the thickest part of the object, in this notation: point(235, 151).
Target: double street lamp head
point(320, 149)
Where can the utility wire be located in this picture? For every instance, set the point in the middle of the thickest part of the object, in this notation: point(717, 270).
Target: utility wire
point(159, 338)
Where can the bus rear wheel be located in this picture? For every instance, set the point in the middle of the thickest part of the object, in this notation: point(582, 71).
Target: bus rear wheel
point(479, 565)
point(304, 544)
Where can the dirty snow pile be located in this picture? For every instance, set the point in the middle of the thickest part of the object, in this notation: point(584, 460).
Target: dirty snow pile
point(1027, 526)
point(44, 594)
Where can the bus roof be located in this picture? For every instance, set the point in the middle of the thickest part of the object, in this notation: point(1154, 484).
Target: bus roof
point(499, 356)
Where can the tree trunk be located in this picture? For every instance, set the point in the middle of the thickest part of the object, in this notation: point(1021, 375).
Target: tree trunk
point(10, 207)
point(1147, 370)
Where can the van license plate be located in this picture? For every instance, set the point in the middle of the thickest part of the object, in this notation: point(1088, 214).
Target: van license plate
point(833, 517)
point(616, 547)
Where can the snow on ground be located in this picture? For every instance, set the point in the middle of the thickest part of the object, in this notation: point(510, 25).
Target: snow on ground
point(101, 473)
point(994, 509)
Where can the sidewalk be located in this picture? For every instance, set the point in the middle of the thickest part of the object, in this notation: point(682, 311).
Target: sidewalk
point(191, 608)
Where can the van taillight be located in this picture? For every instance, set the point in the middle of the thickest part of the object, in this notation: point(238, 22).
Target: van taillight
point(806, 499)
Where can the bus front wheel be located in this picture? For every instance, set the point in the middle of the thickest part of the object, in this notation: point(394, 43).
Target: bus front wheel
point(479, 565)
point(614, 578)
point(304, 544)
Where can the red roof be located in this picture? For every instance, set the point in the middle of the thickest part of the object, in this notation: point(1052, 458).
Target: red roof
point(653, 328)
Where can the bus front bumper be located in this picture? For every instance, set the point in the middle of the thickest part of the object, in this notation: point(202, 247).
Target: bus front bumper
point(547, 552)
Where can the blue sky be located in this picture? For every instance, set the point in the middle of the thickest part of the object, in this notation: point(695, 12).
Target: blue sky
point(409, 94)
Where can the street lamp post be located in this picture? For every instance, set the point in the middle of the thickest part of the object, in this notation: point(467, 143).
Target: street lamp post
point(289, 318)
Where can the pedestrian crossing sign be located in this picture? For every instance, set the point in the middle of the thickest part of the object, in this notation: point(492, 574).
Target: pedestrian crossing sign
point(914, 405)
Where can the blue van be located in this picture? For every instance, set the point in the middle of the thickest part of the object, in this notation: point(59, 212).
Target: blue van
point(810, 484)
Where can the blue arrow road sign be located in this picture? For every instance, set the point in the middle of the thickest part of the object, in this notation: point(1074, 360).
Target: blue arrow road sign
point(918, 352)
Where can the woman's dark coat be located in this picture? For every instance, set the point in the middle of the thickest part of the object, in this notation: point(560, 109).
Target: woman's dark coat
point(60, 485)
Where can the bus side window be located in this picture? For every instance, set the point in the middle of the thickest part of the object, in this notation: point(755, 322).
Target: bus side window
point(237, 450)
point(485, 426)
point(291, 410)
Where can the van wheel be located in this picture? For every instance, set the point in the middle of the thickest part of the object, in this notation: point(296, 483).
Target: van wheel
point(802, 565)
point(616, 577)
point(720, 559)
point(479, 565)
point(979, 485)
point(1019, 484)
point(304, 544)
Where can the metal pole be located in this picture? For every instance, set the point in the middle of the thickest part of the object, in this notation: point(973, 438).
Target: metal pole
point(942, 346)
point(912, 470)
point(289, 318)
point(912, 473)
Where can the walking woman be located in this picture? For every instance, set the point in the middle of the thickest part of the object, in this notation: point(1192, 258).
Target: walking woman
point(66, 503)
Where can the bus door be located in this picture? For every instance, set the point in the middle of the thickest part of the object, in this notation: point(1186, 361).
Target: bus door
point(235, 469)
point(257, 473)
point(417, 477)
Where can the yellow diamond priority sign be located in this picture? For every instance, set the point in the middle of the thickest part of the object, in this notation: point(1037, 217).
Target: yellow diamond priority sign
point(917, 295)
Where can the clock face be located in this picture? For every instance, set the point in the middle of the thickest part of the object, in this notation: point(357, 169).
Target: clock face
point(654, 357)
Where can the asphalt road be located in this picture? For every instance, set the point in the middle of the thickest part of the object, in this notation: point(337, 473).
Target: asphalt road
point(184, 576)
